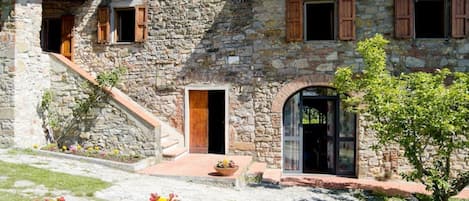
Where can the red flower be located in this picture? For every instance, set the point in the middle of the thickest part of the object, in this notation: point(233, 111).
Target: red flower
point(154, 197)
point(61, 198)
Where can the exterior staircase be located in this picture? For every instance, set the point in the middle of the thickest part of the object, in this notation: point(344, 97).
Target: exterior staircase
point(172, 142)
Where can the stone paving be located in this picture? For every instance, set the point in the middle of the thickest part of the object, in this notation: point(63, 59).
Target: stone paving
point(135, 187)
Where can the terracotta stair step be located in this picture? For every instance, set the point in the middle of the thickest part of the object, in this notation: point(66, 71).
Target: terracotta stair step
point(174, 153)
point(257, 168)
point(272, 176)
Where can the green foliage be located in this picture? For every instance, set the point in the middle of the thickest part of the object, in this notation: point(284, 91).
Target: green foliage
point(427, 114)
point(110, 79)
point(45, 107)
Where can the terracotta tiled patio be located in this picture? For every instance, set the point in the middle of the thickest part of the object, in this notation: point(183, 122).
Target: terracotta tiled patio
point(199, 167)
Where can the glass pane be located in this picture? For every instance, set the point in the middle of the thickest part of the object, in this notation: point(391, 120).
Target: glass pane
point(291, 155)
point(347, 123)
point(346, 156)
point(292, 116)
point(319, 91)
point(330, 133)
point(293, 129)
point(312, 116)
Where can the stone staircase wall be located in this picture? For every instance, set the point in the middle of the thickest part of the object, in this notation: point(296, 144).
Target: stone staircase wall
point(122, 124)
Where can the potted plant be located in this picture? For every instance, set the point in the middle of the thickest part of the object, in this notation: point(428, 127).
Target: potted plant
point(226, 167)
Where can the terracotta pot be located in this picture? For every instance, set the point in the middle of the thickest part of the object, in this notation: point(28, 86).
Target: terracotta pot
point(226, 171)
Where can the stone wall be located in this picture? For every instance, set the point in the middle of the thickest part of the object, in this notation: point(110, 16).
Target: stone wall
point(31, 73)
point(7, 47)
point(190, 42)
point(110, 126)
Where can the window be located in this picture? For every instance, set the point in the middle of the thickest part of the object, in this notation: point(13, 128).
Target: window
point(431, 18)
point(125, 23)
point(51, 34)
point(129, 24)
point(320, 20)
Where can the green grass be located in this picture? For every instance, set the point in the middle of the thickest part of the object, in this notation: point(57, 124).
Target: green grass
point(12, 197)
point(78, 185)
point(17, 151)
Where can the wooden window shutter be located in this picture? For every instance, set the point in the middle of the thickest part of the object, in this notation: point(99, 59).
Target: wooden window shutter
point(103, 25)
point(294, 20)
point(346, 19)
point(460, 18)
point(141, 23)
point(403, 17)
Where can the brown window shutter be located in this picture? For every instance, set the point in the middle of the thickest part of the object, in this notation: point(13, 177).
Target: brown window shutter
point(346, 19)
point(460, 18)
point(103, 25)
point(403, 14)
point(294, 20)
point(140, 23)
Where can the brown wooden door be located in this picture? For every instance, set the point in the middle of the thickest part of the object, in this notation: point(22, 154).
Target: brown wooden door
point(198, 109)
point(66, 46)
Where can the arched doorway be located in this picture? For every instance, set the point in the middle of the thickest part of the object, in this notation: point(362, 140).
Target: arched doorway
point(318, 134)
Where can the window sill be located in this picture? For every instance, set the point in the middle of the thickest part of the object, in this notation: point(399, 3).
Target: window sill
point(121, 43)
point(327, 43)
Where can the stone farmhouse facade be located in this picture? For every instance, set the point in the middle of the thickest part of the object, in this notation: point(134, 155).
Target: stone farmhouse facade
point(249, 77)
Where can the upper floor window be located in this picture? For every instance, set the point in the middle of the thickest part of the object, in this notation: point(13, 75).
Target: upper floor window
point(431, 18)
point(122, 24)
point(320, 20)
point(125, 25)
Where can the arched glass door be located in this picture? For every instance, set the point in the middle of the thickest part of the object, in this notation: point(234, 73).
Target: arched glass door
point(319, 136)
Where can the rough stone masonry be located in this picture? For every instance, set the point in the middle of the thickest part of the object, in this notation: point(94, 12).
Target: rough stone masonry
point(189, 43)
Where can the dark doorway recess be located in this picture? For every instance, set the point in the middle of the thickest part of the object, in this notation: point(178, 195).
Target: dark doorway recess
point(216, 122)
point(315, 137)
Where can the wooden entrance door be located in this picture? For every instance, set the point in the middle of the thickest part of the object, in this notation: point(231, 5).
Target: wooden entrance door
point(66, 45)
point(198, 128)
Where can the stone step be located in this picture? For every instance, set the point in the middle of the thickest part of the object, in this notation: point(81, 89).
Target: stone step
point(166, 144)
point(174, 153)
point(164, 135)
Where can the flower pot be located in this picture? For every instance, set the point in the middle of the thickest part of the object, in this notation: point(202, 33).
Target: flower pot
point(226, 171)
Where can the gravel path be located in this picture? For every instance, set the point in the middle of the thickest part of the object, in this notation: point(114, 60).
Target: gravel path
point(135, 187)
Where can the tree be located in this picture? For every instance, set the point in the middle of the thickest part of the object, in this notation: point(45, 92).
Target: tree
point(426, 114)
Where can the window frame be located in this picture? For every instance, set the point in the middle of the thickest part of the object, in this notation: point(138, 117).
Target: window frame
point(335, 20)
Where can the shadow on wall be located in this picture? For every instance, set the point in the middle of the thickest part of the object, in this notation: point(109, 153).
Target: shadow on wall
point(225, 49)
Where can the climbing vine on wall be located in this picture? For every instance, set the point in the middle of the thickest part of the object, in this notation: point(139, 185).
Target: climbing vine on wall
point(59, 128)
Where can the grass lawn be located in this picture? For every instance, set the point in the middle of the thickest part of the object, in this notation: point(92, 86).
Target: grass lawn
point(77, 185)
point(11, 197)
